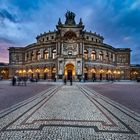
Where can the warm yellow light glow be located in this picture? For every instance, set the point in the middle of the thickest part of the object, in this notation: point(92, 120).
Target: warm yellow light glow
point(3, 71)
point(135, 73)
point(93, 71)
point(30, 71)
point(37, 70)
point(24, 71)
point(66, 73)
point(46, 70)
point(118, 72)
point(115, 72)
point(101, 71)
point(20, 71)
point(109, 72)
point(73, 73)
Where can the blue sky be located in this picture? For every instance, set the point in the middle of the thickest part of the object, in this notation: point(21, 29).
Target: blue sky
point(117, 20)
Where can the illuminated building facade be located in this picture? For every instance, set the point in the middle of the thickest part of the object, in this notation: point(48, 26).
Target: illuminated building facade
point(70, 51)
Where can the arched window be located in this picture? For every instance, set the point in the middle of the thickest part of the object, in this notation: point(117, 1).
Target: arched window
point(93, 55)
point(54, 53)
point(38, 55)
point(101, 55)
point(46, 54)
point(86, 54)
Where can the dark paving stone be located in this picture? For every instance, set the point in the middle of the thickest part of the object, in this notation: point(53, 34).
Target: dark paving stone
point(11, 95)
point(125, 94)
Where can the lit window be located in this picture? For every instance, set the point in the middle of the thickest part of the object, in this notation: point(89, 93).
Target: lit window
point(93, 55)
point(54, 53)
point(46, 54)
point(86, 54)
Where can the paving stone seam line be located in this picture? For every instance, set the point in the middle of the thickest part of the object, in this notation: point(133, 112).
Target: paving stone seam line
point(64, 120)
point(25, 102)
point(52, 93)
point(112, 101)
point(130, 129)
point(105, 99)
point(28, 110)
point(24, 121)
point(96, 129)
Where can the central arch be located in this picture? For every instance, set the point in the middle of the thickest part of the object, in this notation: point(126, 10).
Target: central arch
point(69, 71)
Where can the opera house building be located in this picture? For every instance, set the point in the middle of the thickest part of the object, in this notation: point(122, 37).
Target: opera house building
point(70, 51)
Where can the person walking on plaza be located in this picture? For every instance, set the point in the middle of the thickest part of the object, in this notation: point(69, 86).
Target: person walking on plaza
point(13, 81)
point(65, 80)
point(71, 80)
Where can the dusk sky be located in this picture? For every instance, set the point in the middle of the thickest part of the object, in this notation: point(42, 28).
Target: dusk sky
point(118, 21)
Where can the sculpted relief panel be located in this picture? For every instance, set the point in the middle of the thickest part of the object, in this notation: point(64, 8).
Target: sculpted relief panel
point(70, 47)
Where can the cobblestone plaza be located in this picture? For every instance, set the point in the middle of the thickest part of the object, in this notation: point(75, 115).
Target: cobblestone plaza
point(65, 112)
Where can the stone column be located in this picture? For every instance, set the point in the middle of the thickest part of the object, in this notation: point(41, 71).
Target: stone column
point(34, 52)
point(42, 53)
point(89, 53)
point(29, 58)
point(50, 52)
point(97, 54)
point(81, 48)
point(61, 48)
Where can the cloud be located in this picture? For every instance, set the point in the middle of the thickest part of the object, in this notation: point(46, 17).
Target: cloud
point(118, 21)
point(4, 14)
point(135, 5)
point(4, 56)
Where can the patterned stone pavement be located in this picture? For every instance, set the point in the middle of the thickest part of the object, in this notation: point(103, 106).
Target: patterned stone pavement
point(11, 95)
point(66, 112)
point(125, 93)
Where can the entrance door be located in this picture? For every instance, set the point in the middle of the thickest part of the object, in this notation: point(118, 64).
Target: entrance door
point(69, 74)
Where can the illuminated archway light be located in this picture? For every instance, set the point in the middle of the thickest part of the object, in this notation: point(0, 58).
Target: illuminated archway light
point(101, 71)
point(93, 71)
point(46, 70)
point(37, 70)
point(30, 71)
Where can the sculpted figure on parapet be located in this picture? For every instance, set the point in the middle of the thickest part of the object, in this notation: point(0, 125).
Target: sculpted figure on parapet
point(70, 18)
point(70, 15)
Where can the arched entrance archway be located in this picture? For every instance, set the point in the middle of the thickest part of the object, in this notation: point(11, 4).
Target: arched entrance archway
point(69, 71)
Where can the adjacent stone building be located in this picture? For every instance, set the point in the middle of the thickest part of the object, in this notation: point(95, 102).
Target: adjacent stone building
point(70, 51)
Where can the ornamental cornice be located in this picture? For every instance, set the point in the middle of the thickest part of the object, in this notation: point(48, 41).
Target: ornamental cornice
point(40, 46)
point(40, 63)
